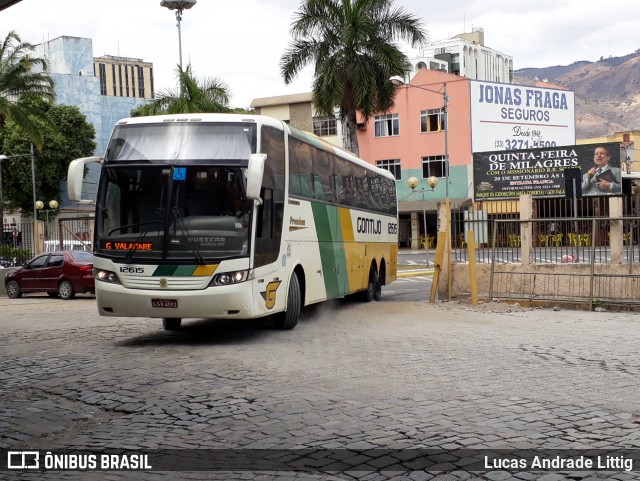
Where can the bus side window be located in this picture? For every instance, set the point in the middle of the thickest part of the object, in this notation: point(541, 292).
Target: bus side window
point(343, 182)
point(323, 170)
point(270, 214)
point(295, 187)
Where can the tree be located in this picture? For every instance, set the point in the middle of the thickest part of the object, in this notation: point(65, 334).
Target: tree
point(66, 134)
point(192, 96)
point(22, 75)
point(352, 45)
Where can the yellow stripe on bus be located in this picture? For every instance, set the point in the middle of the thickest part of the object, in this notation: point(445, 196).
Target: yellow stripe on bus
point(206, 270)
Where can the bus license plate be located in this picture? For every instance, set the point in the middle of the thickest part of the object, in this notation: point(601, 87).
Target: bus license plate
point(165, 303)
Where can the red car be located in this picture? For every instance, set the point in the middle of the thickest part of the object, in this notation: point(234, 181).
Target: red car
point(59, 273)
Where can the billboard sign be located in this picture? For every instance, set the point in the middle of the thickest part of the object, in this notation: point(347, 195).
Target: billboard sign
point(541, 172)
point(510, 117)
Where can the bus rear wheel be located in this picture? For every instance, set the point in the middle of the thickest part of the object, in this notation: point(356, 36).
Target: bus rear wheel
point(289, 318)
point(374, 288)
point(171, 323)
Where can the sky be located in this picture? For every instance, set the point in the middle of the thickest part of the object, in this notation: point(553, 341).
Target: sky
point(241, 41)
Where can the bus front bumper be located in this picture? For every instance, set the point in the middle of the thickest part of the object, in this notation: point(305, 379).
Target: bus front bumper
point(220, 302)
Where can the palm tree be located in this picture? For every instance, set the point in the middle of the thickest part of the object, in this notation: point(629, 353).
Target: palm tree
point(352, 43)
point(22, 76)
point(192, 96)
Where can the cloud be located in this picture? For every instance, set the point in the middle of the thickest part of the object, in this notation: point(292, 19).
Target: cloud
point(241, 42)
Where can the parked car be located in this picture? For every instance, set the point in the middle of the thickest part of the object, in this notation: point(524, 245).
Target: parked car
point(58, 273)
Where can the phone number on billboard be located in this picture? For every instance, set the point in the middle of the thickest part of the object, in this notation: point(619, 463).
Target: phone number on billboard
point(517, 144)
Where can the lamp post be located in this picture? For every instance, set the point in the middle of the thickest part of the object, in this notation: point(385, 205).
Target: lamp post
point(53, 205)
point(2, 157)
point(33, 186)
point(397, 80)
point(178, 6)
point(432, 182)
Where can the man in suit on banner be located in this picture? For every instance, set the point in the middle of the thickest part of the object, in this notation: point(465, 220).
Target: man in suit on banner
point(602, 178)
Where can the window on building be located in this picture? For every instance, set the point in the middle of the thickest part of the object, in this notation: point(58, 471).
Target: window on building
point(432, 120)
point(392, 165)
point(141, 82)
point(323, 126)
point(434, 165)
point(102, 75)
point(387, 125)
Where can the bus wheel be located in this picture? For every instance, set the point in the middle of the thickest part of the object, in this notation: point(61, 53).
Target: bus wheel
point(289, 318)
point(377, 290)
point(374, 289)
point(171, 323)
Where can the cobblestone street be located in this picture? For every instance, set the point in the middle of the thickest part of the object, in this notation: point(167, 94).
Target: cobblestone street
point(396, 375)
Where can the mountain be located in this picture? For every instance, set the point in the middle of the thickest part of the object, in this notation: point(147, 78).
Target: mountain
point(607, 92)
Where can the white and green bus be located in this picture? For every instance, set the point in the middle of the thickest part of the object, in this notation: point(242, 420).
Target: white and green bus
point(225, 216)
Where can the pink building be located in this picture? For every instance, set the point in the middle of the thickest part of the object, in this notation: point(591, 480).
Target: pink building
point(412, 140)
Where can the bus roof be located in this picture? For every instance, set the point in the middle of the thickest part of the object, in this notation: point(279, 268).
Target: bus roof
point(262, 120)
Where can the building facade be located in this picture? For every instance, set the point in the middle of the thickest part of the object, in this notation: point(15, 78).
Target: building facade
point(437, 123)
point(297, 110)
point(71, 66)
point(124, 77)
point(465, 55)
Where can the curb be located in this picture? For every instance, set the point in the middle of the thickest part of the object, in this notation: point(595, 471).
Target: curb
point(414, 273)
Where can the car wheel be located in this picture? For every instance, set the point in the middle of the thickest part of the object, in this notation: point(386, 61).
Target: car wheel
point(289, 318)
point(52, 294)
point(13, 290)
point(65, 290)
point(171, 323)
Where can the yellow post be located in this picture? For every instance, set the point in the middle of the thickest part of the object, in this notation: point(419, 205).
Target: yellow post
point(437, 265)
point(473, 276)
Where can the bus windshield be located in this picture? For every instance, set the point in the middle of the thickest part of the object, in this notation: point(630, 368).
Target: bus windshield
point(182, 142)
point(195, 213)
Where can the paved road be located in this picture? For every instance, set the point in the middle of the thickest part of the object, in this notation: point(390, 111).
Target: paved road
point(395, 375)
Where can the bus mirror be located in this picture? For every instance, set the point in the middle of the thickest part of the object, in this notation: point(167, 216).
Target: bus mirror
point(255, 171)
point(75, 176)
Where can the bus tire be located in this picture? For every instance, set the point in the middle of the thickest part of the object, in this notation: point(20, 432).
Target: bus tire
point(373, 286)
point(289, 318)
point(377, 289)
point(171, 323)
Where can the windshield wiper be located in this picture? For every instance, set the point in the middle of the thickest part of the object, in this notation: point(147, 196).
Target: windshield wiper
point(185, 232)
point(138, 224)
point(136, 243)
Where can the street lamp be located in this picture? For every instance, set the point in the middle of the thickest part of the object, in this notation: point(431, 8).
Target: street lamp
point(178, 6)
point(53, 205)
point(397, 80)
point(432, 182)
point(33, 186)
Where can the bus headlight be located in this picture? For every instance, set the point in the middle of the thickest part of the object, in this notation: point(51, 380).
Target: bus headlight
point(227, 278)
point(106, 276)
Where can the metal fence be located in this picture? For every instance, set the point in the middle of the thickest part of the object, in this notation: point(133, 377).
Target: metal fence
point(21, 241)
point(561, 230)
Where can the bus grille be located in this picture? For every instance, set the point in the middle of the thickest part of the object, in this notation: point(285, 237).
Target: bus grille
point(164, 283)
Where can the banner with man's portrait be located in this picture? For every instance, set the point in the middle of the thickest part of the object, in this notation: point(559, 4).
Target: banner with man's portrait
point(508, 174)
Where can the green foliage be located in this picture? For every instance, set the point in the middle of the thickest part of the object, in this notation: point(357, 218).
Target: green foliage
point(67, 135)
point(9, 252)
point(192, 96)
point(22, 76)
point(352, 45)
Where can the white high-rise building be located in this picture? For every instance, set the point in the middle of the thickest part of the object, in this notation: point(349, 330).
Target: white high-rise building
point(465, 55)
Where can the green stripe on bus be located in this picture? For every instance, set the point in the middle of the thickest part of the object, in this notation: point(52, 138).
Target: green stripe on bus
point(334, 265)
point(166, 270)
